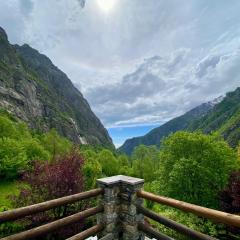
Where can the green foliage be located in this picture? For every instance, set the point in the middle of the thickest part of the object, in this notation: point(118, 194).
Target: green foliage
point(19, 147)
point(92, 169)
point(108, 162)
point(34, 150)
point(55, 144)
point(8, 187)
point(10, 228)
point(192, 221)
point(13, 158)
point(7, 128)
point(192, 167)
point(145, 162)
point(124, 165)
point(195, 167)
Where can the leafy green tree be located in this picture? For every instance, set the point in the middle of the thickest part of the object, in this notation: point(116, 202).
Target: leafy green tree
point(124, 166)
point(123, 160)
point(7, 128)
point(55, 144)
point(145, 162)
point(13, 129)
point(92, 169)
point(13, 158)
point(140, 159)
point(195, 167)
point(108, 162)
point(34, 150)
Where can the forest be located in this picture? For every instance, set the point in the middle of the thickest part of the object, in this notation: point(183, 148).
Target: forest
point(192, 167)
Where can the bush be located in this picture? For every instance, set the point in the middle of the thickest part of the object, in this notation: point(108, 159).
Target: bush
point(51, 180)
point(13, 158)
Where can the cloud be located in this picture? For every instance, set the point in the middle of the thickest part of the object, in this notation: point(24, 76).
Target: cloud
point(26, 7)
point(82, 3)
point(145, 62)
point(165, 87)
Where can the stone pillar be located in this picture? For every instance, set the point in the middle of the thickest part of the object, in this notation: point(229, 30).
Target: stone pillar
point(120, 216)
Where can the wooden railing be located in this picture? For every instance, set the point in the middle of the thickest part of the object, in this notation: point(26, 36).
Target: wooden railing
point(217, 216)
point(122, 214)
point(52, 226)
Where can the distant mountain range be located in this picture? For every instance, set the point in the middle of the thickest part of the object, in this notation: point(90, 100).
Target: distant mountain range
point(221, 116)
point(37, 92)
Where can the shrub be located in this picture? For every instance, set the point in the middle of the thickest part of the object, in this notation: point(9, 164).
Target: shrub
point(50, 180)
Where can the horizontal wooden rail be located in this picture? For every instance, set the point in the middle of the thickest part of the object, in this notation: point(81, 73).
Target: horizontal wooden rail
point(152, 232)
point(218, 216)
point(50, 227)
point(44, 206)
point(174, 225)
point(88, 233)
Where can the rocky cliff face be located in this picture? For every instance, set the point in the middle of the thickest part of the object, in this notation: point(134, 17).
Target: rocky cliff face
point(37, 92)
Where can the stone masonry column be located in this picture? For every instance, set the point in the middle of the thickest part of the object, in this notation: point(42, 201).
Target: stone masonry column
point(120, 216)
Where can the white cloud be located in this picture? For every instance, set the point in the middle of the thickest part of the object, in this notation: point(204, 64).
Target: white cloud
point(195, 44)
point(164, 87)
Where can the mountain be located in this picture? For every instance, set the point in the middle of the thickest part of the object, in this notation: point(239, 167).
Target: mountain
point(157, 134)
point(37, 92)
point(223, 119)
point(221, 116)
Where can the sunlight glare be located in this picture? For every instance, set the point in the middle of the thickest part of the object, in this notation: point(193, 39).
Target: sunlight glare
point(106, 5)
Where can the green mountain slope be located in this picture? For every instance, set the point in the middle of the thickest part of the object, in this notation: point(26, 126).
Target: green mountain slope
point(222, 118)
point(37, 92)
point(155, 136)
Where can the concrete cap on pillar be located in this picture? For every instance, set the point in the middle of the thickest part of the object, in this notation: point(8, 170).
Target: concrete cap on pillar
point(120, 179)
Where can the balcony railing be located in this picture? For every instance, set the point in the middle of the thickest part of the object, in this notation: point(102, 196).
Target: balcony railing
point(120, 213)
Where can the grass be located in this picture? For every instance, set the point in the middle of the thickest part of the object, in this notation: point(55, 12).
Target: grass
point(8, 187)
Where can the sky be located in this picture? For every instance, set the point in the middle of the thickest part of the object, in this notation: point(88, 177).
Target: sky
point(139, 63)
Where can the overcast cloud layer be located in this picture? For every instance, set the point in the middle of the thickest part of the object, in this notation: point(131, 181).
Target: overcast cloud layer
point(144, 62)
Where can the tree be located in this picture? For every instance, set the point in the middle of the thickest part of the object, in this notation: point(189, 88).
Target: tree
point(50, 180)
point(7, 128)
point(145, 162)
point(13, 129)
point(124, 166)
point(34, 150)
point(195, 167)
point(108, 162)
point(92, 168)
point(55, 144)
point(13, 158)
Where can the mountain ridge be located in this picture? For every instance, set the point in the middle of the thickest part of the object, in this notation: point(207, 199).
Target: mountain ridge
point(37, 92)
point(155, 135)
point(199, 118)
point(222, 117)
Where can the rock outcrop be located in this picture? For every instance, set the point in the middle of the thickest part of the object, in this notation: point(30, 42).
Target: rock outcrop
point(37, 92)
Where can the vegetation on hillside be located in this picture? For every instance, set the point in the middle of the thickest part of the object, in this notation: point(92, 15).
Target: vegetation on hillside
point(41, 95)
point(192, 167)
point(222, 118)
